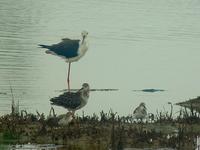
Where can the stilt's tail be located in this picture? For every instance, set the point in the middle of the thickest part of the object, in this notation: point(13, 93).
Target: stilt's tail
point(44, 46)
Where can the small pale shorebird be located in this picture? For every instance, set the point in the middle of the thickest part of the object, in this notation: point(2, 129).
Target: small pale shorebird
point(73, 101)
point(69, 49)
point(62, 120)
point(140, 112)
point(65, 119)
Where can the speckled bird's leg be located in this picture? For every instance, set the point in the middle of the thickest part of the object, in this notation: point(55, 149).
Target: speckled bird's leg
point(73, 114)
point(68, 81)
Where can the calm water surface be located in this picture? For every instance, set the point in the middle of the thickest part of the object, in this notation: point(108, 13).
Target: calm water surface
point(133, 45)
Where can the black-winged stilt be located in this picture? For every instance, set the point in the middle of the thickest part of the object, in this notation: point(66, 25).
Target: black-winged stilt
point(69, 49)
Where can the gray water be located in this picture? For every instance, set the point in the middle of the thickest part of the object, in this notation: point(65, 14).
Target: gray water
point(134, 44)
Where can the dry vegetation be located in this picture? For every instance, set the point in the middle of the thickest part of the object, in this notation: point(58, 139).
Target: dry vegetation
point(103, 131)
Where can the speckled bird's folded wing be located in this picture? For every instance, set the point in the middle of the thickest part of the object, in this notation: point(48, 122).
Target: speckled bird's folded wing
point(67, 100)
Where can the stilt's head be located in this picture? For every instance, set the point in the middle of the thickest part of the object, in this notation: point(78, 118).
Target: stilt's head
point(84, 34)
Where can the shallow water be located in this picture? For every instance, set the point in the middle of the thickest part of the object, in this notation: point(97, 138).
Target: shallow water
point(134, 45)
point(32, 147)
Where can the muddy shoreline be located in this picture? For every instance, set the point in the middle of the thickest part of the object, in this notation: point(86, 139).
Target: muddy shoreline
point(104, 131)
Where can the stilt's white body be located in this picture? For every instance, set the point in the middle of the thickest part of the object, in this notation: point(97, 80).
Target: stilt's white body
point(83, 47)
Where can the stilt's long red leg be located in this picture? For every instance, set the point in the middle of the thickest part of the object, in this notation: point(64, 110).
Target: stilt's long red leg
point(68, 81)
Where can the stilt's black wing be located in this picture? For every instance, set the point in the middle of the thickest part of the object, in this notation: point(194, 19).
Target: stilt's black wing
point(67, 48)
